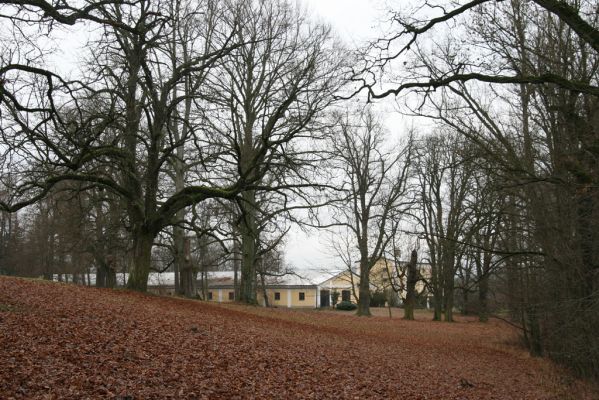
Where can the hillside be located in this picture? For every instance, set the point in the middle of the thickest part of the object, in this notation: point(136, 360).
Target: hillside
point(63, 341)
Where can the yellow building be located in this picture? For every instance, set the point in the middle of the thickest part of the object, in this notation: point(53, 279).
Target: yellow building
point(310, 289)
point(290, 291)
point(306, 289)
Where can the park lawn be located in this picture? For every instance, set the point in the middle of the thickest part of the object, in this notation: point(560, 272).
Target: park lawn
point(60, 341)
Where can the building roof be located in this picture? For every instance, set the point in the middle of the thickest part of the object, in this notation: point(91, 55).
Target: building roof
point(226, 278)
point(296, 279)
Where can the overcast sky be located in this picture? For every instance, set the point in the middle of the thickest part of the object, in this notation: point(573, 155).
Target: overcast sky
point(356, 22)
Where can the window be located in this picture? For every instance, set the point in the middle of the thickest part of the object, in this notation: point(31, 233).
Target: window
point(345, 295)
point(209, 295)
point(277, 296)
point(302, 296)
point(231, 295)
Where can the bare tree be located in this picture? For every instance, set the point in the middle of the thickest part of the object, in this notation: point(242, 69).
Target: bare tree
point(269, 91)
point(374, 187)
point(132, 136)
point(444, 174)
point(527, 98)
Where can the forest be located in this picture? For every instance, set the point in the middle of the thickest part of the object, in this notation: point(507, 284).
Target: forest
point(192, 135)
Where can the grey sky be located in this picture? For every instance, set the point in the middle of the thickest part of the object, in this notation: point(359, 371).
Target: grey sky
point(355, 22)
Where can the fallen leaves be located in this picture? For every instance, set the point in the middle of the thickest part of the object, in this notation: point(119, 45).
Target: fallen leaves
point(61, 341)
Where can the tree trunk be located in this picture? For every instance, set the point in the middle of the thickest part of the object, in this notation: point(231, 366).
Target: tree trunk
point(437, 306)
point(448, 290)
point(178, 265)
point(483, 286)
point(466, 292)
point(448, 304)
point(364, 299)
point(188, 277)
point(586, 241)
point(141, 258)
point(49, 268)
point(534, 329)
point(437, 291)
point(236, 265)
point(483, 290)
point(249, 237)
point(100, 274)
point(188, 272)
point(264, 293)
point(465, 299)
point(111, 275)
point(411, 280)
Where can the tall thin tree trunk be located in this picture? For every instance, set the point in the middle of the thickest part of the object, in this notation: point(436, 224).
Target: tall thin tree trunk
point(249, 237)
point(411, 281)
point(236, 265)
point(364, 289)
point(483, 286)
point(179, 261)
point(188, 272)
point(448, 289)
point(264, 293)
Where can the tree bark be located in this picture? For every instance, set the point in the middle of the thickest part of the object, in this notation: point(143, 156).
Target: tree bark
point(364, 290)
point(236, 265)
point(249, 237)
point(411, 280)
point(483, 286)
point(264, 293)
point(141, 258)
point(483, 290)
point(110, 278)
point(188, 271)
point(448, 289)
point(179, 262)
point(437, 292)
point(100, 274)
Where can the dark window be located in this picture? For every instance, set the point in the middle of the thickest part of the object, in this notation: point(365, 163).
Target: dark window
point(277, 296)
point(345, 295)
point(325, 298)
point(231, 295)
point(209, 295)
point(302, 296)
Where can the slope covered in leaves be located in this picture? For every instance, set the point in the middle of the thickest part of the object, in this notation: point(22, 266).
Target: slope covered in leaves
point(62, 341)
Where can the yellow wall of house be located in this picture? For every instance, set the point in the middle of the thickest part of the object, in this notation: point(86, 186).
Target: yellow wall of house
point(287, 296)
point(290, 297)
point(224, 295)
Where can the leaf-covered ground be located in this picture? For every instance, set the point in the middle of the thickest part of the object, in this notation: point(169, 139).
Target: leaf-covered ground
point(60, 341)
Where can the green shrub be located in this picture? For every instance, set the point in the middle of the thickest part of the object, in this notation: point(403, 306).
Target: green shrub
point(335, 297)
point(346, 306)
